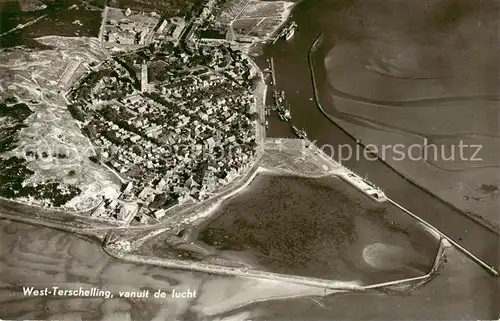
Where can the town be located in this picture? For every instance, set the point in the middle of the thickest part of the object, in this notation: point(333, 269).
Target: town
point(175, 121)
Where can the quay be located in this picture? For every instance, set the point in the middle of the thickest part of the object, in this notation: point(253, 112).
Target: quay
point(273, 72)
point(363, 185)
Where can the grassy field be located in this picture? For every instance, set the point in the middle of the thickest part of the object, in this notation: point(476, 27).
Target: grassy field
point(53, 154)
point(12, 117)
point(71, 18)
point(168, 8)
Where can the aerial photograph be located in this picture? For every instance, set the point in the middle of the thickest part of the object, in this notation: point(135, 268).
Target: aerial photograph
point(249, 160)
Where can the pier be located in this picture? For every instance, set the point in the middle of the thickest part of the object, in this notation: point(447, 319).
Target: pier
point(273, 72)
point(246, 272)
point(280, 103)
point(363, 186)
point(349, 176)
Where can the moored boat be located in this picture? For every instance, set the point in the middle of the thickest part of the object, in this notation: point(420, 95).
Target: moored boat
point(289, 35)
point(289, 31)
point(299, 132)
point(283, 113)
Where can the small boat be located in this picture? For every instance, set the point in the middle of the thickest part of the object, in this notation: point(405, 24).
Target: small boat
point(299, 132)
point(279, 97)
point(289, 32)
point(289, 35)
point(283, 113)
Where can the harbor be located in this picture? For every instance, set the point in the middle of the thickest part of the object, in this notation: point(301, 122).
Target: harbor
point(287, 33)
point(282, 107)
point(300, 133)
point(312, 117)
point(278, 103)
point(310, 236)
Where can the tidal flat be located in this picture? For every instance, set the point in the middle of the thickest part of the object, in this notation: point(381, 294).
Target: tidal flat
point(318, 227)
point(39, 257)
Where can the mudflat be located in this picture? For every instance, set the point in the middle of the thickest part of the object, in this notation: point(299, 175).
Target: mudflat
point(319, 227)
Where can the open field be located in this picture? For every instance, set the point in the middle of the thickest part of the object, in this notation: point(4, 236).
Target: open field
point(163, 8)
point(230, 10)
point(41, 257)
point(257, 9)
point(294, 156)
point(51, 142)
point(253, 17)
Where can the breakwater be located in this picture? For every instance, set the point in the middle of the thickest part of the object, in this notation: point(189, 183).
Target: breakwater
point(485, 257)
point(119, 253)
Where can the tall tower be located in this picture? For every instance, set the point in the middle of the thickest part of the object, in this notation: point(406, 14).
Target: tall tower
point(144, 78)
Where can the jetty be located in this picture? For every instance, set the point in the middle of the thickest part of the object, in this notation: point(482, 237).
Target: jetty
point(273, 71)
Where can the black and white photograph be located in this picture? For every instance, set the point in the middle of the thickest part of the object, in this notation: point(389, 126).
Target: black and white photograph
point(249, 160)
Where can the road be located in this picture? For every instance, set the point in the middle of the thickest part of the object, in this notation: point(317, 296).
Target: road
point(103, 23)
point(260, 105)
point(22, 26)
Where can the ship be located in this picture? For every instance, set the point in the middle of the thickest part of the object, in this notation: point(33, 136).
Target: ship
point(299, 132)
point(279, 97)
point(289, 35)
point(283, 113)
point(290, 31)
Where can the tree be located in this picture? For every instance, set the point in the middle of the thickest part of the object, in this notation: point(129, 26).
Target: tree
point(76, 112)
point(94, 159)
point(254, 116)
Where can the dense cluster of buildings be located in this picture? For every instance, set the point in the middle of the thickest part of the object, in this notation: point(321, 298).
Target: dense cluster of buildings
point(181, 126)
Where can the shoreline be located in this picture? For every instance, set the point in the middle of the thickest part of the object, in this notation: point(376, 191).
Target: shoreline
point(312, 49)
point(100, 223)
point(246, 179)
point(474, 216)
point(314, 46)
point(285, 278)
